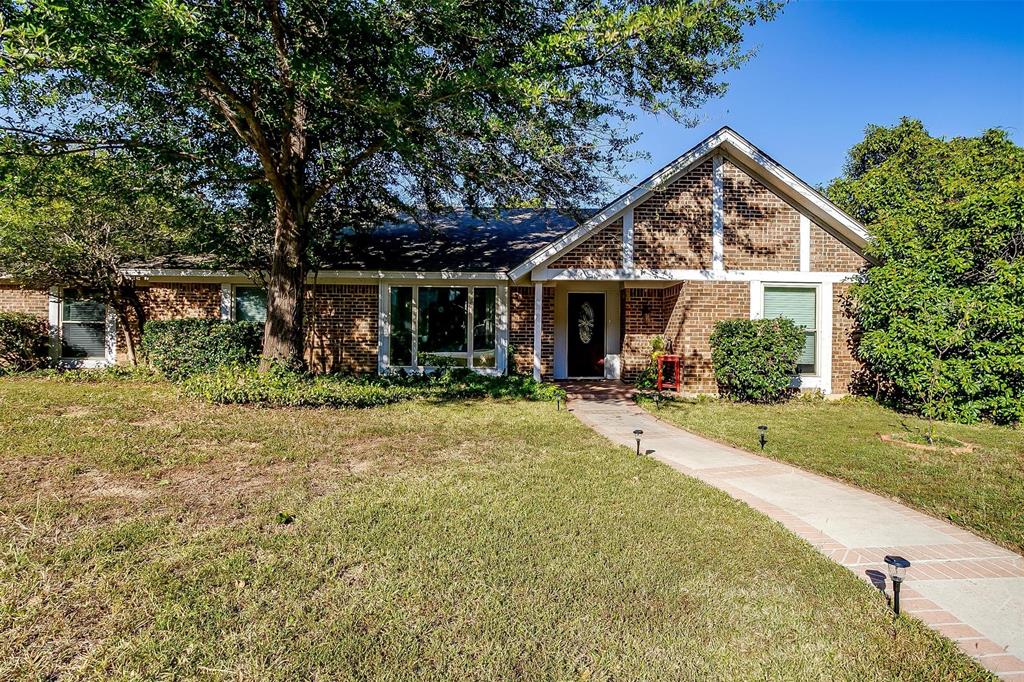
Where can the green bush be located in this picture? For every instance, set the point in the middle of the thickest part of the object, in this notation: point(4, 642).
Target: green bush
point(283, 387)
point(184, 348)
point(24, 342)
point(755, 360)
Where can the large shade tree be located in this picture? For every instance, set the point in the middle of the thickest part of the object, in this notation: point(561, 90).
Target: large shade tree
point(347, 113)
point(942, 314)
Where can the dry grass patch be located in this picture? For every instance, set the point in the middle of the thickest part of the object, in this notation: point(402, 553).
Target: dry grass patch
point(483, 540)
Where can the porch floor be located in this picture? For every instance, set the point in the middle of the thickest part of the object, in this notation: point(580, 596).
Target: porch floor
point(603, 390)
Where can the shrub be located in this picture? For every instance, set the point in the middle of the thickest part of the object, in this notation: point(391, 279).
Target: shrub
point(184, 348)
point(648, 377)
point(755, 360)
point(24, 342)
point(283, 387)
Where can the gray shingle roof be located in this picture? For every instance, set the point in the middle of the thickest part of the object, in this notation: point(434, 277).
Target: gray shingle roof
point(457, 241)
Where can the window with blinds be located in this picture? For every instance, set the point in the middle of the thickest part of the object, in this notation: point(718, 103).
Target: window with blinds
point(800, 305)
point(83, 326)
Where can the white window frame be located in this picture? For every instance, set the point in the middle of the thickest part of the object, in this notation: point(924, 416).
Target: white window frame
point(821, 379)
point(56, 323)
point(229, 299)
point(500, 322)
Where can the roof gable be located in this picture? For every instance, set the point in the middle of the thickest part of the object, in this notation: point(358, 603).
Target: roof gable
point(740, 151)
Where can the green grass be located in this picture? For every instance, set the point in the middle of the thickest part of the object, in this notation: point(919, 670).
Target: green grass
point(146, 536)
point(982, 490)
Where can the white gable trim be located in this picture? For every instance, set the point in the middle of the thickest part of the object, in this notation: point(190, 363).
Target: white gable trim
point(749, 158)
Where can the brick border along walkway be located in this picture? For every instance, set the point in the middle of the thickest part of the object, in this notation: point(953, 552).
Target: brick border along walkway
point(961, 556)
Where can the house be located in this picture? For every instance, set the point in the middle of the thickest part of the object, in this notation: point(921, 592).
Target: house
point(724, 231)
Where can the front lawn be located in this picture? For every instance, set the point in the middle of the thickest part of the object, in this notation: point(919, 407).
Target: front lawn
point(982, 490)
point(145, 535)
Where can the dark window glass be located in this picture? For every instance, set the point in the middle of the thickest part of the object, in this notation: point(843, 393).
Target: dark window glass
point(251, 304)
point(483, 327)
point(83, 326)
point(442, 319)
point(401, 326)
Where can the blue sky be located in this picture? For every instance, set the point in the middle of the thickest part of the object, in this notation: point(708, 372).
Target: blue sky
point(826, 69)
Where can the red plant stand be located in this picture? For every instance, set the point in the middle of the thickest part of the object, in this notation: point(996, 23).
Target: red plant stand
point(668, 372)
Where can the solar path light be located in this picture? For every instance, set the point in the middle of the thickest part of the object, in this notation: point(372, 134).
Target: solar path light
point(897, 567)
point(637, 433)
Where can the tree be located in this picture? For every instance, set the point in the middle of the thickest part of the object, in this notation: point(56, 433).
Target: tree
point(353, 113)
point(942, 315)
point(76, 220)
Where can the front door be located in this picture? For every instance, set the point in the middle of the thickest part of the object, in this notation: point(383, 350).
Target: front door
point(586, 335)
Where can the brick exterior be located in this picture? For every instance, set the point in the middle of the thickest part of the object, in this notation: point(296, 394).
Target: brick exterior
point(520, 333)
point(176, 300)
point(14, 299)
point(341, 328)
point(672, 228)
point(685, 314)
point(844, 339)
point(762, 232)
point(603, 250)
point(828, 254)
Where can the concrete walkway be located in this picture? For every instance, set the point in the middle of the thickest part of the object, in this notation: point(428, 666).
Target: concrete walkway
point(965, 587)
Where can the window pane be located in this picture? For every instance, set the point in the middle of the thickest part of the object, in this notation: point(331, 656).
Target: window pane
point(81, 308)
point(483, 320)
point(484, 358)
point(401, 327)
point(805, 362)
point(250, 304)
point(797, 304)
point(791, 302)
point(83, 340)
point(442, 319)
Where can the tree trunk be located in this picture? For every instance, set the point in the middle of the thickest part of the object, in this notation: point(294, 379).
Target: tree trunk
point(125, 300)
point(283, 337)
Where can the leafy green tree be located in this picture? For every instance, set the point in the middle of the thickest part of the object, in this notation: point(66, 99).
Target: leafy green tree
point(351, 113)
point(942, 314)
point(76, 220)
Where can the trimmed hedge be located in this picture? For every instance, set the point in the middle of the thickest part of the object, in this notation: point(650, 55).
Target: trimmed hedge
point(24, 342)
point(754, 360)
point(280, 386)
point(187, 347)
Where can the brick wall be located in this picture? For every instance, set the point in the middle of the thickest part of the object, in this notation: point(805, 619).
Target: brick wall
point(175, 300)
point(14, 299)
point(828, 254)
point(520, 333)
point(672, 229)
point(341, 328)
point(761, 231)
point(603, 250)
point(685, 314)
point(844, 339)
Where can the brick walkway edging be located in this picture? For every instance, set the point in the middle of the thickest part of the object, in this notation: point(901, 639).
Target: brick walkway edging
point(965, 557)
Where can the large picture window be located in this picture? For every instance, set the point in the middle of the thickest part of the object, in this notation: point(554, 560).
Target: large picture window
point(83, 326)
point(431, 322)
point(800, 305)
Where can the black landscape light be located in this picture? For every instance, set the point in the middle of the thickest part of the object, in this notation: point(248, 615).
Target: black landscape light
point(558, 403)
point(637, 433)
point(897, 567)
point(762, 435)
point(657, 400)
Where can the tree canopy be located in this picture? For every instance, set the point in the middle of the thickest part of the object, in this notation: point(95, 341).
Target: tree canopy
point(942, 315)
point(350, 113)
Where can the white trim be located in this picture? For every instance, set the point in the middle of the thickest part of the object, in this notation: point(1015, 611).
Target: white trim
point(805, 243)
point(53, 309)
point(627, 239)
point(538, 315)
point(718, 214)
point(826, 342)
point(729, 142)
point(501, 305)
point(227, 302)
point(756, 299)
point(612, 316)
point(321, 275)
point(383, 326)
point(583, 275)
point(110, 336)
